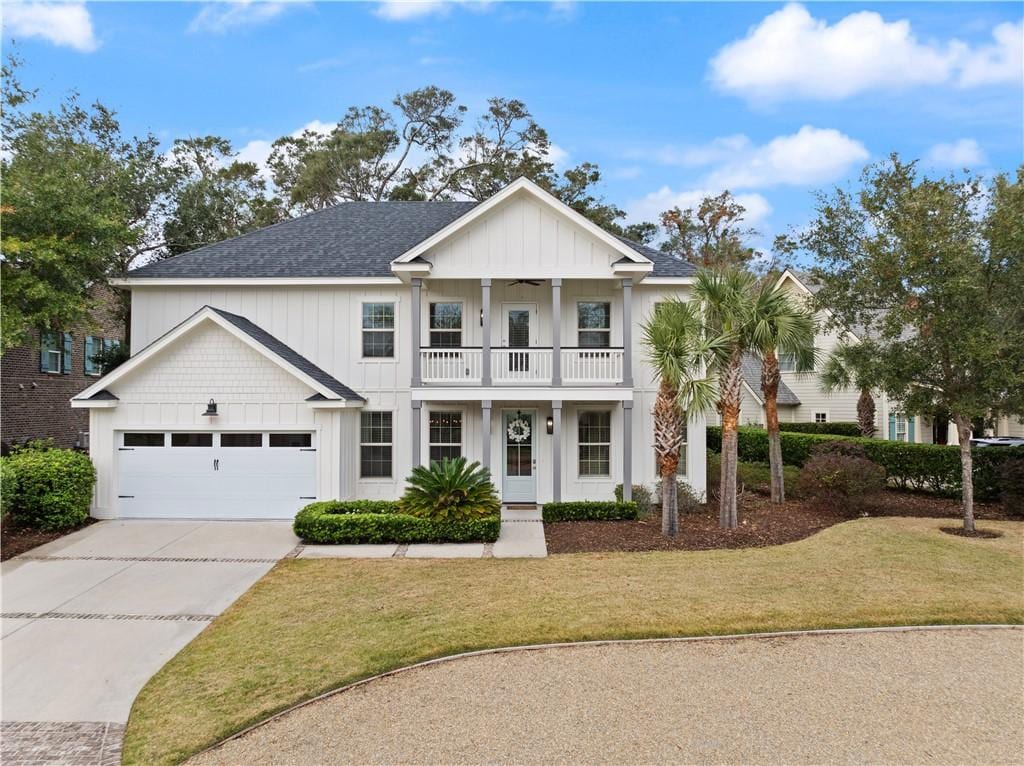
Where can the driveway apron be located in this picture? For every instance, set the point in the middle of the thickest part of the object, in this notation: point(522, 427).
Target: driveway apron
point(89, 618)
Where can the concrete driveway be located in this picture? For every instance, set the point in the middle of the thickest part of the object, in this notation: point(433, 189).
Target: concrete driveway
point(89, 618)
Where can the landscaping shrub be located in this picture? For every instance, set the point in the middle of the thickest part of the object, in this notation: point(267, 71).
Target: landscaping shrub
point(831, 429)
point(1011, 481)
point(836, 477)
point(450, 490)
point(756, 477)
point(356, 522)
point(591, 510)
point(8, 485)
point(48, 489)
point(933, 467)
point(642, 496)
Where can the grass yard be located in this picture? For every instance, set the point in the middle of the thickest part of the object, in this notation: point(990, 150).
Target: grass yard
point(313, 625)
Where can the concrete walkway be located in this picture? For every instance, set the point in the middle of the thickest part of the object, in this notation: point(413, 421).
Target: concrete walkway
point(521, 536)
point(936, 697)
point(87, 620)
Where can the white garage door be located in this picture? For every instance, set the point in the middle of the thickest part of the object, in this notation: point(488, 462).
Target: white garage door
point(215, 475)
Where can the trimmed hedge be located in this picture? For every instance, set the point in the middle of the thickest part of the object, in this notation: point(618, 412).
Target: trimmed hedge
point(357, 522)
point(591, 510)
point(835, 429)
point(47, 489)
point(933, 467)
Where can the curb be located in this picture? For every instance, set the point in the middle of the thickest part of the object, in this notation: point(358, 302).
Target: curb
point(603, 642)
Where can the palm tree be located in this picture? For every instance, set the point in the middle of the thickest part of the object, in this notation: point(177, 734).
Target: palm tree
point(679, 351)
point(781, 324)
point(849, 366)
point(727, 304)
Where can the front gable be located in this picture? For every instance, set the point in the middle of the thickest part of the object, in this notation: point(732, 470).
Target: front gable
point(522, 232)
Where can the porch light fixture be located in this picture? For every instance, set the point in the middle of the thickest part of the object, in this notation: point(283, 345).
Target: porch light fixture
point(550, 425)
point(211, 409)
point(481, 317)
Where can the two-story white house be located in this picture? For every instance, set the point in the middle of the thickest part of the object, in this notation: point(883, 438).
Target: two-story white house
point(325, 356)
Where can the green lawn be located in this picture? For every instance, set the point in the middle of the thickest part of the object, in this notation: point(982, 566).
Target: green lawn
point(313, 625)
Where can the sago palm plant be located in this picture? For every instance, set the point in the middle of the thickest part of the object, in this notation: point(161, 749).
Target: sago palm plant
point(450, 490)
point(679, 351)
point(781, 323)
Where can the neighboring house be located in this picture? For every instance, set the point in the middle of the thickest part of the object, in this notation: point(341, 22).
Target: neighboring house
point(325, 356)
point(38, 379)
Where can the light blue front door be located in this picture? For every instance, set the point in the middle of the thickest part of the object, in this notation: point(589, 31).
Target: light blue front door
point(519, 468)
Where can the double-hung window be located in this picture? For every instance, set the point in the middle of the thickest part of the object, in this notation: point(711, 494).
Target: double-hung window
point(375, 445)
point(445, 325)
point(595, 437)
point(445, 436)
point(593, 323)
point(55, 352)
point(787, 362)
point(94, 347)
point(379, 330)
point(900, 427)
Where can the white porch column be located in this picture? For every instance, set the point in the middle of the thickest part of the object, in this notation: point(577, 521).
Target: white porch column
point(627, 451)
point(556, 332)
point(627, 333)
point(485, 345)
point(485, 434)
point(417, 424)
point(556, 451)
point(414, 329)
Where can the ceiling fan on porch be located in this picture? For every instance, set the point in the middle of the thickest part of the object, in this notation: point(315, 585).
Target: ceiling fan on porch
point(531, 282)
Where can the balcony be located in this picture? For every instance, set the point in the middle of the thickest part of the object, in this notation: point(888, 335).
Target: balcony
point(521, 366)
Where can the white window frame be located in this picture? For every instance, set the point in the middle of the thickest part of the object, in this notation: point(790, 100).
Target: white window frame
point(580, 443)
point(787, 362)
point(390, 445)
point(462, 426)
point(606, 330)
point(823, 415)
point(431, 330)
point(51, 353)
point(898, 418)
point(681, 469)
point(380, 330)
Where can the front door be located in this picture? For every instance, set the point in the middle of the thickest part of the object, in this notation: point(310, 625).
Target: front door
point(519, 331)
point(519, 474)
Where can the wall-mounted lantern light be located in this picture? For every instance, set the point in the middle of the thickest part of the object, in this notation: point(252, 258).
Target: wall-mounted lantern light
point(551, 425)
point(481, 317)
point(211, 409)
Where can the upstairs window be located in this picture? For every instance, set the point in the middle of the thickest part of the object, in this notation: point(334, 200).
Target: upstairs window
point(93, 347)
point(445, 325)
point(55, 352)
point(379, 330)
point(787, 362)
point(594, 321)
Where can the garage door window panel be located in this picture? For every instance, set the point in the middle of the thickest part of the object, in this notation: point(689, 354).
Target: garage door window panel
point(241, 440)
point(291, 440)
point(192, 440)
point(144, 440)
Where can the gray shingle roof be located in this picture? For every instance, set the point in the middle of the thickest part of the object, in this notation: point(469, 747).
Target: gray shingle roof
point(752, 377)
point(103, 395)
point(353, 239)
point(287, 353)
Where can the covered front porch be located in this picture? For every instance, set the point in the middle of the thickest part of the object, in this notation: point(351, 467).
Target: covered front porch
point(538, 450)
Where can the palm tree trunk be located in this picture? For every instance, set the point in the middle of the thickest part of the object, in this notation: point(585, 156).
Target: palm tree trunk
point(770, 387)
point(866, 413)
point(668, 436)
point(729, 407)
point(963, 432)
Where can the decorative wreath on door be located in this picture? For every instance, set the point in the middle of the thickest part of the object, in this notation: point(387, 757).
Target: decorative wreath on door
point(518, 430)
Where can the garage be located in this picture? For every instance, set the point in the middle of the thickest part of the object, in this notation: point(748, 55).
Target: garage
point(215, 474)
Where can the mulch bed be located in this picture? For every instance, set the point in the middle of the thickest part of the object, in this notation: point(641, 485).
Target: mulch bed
point(16, 540)
point(762, 524)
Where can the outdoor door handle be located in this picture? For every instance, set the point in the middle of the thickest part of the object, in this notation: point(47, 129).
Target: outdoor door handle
point(216, 464)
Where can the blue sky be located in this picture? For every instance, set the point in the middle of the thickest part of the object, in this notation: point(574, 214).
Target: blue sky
point(671, 100)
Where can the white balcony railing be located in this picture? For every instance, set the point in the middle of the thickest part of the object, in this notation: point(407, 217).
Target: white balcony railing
point(451, 365)
point(462, 366)
point(592, 365)
point(521, 365)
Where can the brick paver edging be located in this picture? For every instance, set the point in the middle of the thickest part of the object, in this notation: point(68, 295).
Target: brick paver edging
point(47, 743)
point(606, 642)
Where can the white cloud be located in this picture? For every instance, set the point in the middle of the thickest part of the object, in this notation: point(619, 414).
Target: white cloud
point(406, 10)
point(218, 18)
point(960, 154)
point(66, 24)
point(649, 207)
point(627, 172)
point(790, 54)
point(557, 156)
point(809, 156)
point(258, 151)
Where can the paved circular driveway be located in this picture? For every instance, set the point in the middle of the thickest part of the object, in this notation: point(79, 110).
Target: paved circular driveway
point(950, 696)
